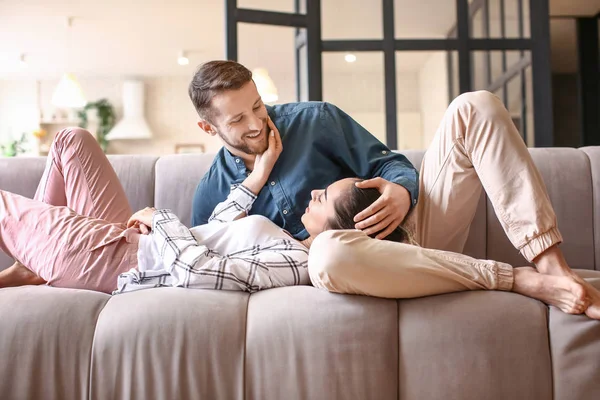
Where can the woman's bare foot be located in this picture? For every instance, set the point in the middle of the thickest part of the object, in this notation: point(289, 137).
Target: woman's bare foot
point(19, 275)
point(562, 292)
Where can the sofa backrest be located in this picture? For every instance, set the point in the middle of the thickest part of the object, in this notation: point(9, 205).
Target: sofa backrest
point(572, 177)
point(568, 174)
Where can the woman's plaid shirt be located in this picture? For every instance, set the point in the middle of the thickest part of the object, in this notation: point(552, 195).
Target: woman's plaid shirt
point(190, 264)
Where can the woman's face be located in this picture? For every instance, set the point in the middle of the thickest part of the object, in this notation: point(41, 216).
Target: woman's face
point(320, 209)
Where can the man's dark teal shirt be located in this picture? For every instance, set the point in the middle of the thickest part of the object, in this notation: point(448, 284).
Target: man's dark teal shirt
point(321, 144)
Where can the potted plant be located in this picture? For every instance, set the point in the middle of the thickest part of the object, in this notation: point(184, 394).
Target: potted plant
point(14, 147)
point(106, 119)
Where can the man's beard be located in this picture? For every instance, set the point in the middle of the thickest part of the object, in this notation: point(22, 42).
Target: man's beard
point(258, 148)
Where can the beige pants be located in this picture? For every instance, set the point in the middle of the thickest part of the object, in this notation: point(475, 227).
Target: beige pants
point(476, 147)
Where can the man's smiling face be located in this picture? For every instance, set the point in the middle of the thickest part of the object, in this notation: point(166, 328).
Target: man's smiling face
point(240, 120)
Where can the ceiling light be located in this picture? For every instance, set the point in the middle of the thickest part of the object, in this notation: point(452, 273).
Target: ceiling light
point(265, 85)
point(68, 93)
point(350, 58)
point(182, 58)
point(22, 61)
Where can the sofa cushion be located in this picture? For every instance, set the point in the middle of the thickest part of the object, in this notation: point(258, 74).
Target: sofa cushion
point(46, 341)
point(593, 154)
point(575, 347)
point(566, 173)
point(177, 177)
point(136, 173)
point(474, 345)
point(304, 343)
point(170, 343)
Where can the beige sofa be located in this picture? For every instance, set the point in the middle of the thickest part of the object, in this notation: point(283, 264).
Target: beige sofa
point(299, 342)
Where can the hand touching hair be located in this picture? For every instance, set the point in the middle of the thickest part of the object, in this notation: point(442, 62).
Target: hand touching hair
point(355, 200)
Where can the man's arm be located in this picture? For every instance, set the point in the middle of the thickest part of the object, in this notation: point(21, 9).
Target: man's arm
point(396, 178)
point(360, 151)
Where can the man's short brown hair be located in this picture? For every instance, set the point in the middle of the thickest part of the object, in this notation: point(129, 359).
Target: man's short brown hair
point(212, 78)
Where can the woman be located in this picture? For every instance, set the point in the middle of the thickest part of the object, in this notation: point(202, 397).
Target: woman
point(78, 232)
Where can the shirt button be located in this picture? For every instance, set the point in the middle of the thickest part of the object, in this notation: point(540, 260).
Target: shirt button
point(237, 160)
point(384, 152)
point(272, 183)
point(285, 211)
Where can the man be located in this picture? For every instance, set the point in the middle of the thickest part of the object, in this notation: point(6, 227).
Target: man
point(321, 144)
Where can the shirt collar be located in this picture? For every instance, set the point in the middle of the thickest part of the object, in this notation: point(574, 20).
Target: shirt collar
point(234, 162)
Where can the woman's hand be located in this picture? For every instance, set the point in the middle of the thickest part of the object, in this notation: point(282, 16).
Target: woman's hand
point(142, 220)
point(263, 164)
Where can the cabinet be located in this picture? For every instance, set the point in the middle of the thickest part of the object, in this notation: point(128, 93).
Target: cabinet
point(51, 126)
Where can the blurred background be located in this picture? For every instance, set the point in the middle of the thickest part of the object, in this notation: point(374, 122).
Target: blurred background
point(121, 68)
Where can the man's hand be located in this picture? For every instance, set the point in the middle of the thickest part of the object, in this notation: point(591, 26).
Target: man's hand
point(142, 220)
point(387, 212)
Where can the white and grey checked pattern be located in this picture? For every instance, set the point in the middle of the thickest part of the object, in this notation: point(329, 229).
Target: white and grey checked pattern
point(281, 262)
point(237, 204)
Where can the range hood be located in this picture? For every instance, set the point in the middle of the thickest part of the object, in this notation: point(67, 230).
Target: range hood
point(133, 125)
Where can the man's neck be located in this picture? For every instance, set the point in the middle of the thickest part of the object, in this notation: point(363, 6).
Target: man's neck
point(248, 159)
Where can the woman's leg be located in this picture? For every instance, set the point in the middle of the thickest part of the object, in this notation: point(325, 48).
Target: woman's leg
point(79, 176)
point(351, 262)
point(62, 247)
point(19, 275)
point(477, 145)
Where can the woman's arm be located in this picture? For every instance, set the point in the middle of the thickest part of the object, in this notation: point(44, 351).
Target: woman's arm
point(240, 200)
point(237, 205)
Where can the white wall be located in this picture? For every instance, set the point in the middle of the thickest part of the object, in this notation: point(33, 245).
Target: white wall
point(172, 118)
point(362, 96)
point(409, 127)
point(433, 87)
point(169, 112)
point(18, 109)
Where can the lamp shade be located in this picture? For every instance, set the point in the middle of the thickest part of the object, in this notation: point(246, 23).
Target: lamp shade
point(265, 86)
point(68, 93)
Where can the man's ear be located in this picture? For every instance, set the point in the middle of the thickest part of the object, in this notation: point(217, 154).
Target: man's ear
point(207, 127)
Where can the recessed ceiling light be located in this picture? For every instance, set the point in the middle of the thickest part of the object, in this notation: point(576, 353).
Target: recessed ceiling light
point(182, 59)
point(350, 58)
